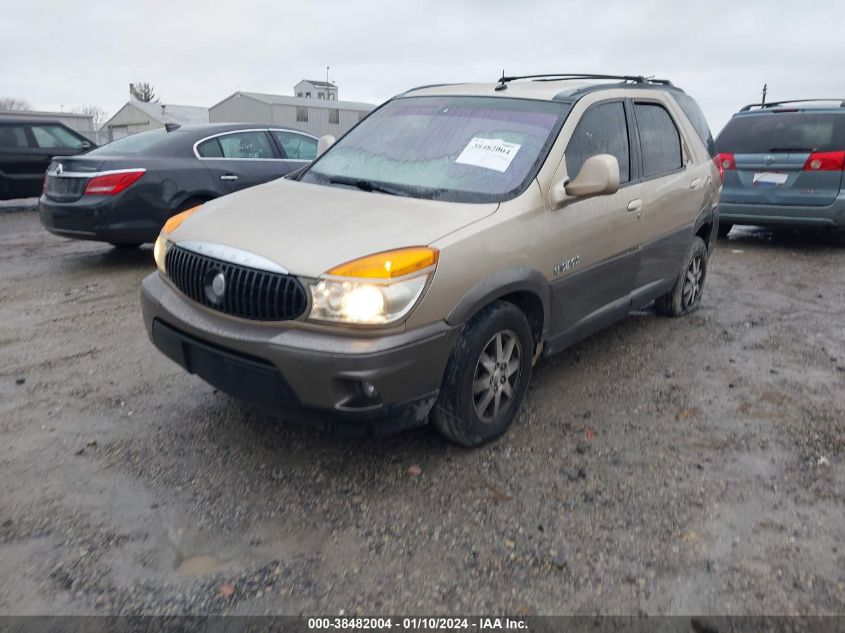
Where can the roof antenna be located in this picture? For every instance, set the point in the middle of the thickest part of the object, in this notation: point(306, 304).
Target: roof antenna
point(503, 85)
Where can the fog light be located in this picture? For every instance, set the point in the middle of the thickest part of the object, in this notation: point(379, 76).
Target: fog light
point(369, 389)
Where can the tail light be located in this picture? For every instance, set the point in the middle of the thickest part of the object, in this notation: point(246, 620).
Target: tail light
point(825, 161)
point(113, 182)
point(724, 162)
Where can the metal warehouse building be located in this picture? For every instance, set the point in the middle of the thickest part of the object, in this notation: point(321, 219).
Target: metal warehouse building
point(140, 116)
point(316, 116)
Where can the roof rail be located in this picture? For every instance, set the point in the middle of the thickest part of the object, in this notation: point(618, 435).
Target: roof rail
point(774, 104)
point(638, 79)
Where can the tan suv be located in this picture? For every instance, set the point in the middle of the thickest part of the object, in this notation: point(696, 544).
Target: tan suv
point(419, 267)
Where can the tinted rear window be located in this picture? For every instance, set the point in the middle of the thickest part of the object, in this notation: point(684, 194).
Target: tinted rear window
point(135, 144)
point(783, 131)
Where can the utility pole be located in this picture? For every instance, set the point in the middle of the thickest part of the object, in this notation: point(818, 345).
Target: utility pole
point(765, 90)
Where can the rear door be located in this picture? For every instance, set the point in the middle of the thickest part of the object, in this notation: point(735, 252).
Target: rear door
point(241, 159)
point(22, 164)
point(675, 190)
point(783, 157)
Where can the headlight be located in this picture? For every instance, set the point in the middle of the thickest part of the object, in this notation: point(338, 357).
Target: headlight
point(362, 302)
point(162, 243)
point(160, 251)
point(377, 289)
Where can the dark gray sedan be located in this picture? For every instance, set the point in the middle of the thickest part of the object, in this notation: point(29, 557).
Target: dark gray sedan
point(124, 192)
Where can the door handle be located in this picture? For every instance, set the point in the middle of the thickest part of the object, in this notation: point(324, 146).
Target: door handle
point(696, 182)
point(229, 177)
point(635, 205)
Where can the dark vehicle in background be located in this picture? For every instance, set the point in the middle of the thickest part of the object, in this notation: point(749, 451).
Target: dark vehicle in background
point(125, 191)
point(26, 149)
point(783, 165)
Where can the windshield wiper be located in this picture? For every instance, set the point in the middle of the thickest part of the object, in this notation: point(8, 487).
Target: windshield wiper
point(366, 185)
point(791, 149)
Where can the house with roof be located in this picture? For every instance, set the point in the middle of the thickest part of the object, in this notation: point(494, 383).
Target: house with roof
point(140, 116)
point(315, 89)
point(315, 115)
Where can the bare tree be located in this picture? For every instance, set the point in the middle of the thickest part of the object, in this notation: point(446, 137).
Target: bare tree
point(97, 114)
point(10, 103)
point(143, 91)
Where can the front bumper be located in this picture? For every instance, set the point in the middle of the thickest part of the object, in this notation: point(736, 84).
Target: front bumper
point(306, 376)
point(99, 218)
point(832, 216)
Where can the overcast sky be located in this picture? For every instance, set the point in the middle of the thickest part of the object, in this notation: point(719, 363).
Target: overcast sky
point(71, 53)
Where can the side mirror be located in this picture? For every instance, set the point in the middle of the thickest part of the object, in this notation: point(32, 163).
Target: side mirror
point(325, 143)
point(599, 175)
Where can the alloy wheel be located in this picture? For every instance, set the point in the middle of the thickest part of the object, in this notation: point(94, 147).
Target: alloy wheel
point(496, 376)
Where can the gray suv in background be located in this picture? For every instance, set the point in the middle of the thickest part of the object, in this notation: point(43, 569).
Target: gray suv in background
point(783, 165)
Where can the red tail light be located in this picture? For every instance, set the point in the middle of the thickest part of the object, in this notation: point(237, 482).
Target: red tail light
point(724, 162)
point(112, 183)
point(825, 161)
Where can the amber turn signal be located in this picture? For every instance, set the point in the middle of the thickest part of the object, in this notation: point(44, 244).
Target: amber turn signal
point(389, 264)
point(173, 223)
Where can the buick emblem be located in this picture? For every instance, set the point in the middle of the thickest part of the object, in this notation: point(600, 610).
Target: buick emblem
point(768, 159)
point(59, 169)
point(215, 286)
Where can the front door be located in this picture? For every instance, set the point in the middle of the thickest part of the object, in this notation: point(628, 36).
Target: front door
point(596, 275)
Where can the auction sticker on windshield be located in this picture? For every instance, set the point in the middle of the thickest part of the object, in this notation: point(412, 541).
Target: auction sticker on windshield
point(488, 153)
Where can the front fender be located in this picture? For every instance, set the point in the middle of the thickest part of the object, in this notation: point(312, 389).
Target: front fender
point(499, 284)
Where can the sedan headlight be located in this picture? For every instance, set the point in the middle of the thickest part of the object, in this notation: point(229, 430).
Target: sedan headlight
point(374, 290)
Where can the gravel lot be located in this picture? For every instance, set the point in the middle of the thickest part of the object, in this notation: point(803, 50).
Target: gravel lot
point(662, 466)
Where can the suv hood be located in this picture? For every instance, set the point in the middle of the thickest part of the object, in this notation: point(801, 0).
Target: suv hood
point(309, 229)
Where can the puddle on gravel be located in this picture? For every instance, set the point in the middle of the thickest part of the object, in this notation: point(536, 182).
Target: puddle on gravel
point(198, 565)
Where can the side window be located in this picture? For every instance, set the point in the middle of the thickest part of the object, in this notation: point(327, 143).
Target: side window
point(55, 136)
point(210, 149)
point(602, 129)
point(659, 140)
point(245, 145)
point(13, 136)
point(296, 146)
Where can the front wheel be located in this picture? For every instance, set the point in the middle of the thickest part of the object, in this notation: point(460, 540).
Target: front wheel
point(685, 297)
point(487, 376)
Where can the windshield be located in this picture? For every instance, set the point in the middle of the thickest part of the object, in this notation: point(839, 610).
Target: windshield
point(467, 149)
point(783, 132)
point(130, 144)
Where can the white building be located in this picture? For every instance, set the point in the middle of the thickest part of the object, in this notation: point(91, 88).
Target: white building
point(140, 116)
point(313, 89)
point(313, 115)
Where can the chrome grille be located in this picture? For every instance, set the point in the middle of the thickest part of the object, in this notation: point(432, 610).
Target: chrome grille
point(248, 293)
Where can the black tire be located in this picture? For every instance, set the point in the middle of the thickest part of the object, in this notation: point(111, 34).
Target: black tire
point(455, 413)
point(685, 297)
point(724, 229)
point(125, 246)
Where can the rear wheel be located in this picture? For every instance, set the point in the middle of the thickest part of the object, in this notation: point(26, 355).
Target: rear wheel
point(487, 376)
point(724, 229)
point(685, 297)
